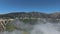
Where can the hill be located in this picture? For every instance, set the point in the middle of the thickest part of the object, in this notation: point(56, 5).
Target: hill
point(30, 14)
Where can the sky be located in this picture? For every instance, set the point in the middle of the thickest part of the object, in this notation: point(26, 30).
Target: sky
point(46, 6)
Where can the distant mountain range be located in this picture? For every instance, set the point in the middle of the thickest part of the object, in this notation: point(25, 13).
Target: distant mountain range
point(31, 14)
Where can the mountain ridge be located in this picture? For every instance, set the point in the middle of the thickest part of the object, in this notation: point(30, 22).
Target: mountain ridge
point(30, 14)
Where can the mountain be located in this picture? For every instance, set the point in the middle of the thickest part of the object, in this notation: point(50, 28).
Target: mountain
point(30, 14)
point(55, 15)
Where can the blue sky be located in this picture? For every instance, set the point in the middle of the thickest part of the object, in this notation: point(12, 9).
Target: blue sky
point(46, 6)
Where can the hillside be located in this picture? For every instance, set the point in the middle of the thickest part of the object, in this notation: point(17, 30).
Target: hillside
point(31, 14)
point(13, 26)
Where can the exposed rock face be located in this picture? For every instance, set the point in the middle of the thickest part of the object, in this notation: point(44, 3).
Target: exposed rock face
point(1, 28)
